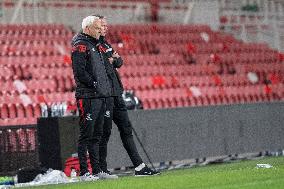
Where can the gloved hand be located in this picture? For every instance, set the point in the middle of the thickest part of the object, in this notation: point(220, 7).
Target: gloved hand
point(106, 50)
point(117, 62)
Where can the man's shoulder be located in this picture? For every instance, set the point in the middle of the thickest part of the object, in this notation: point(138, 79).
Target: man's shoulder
point(79, 44)
point(80, 38)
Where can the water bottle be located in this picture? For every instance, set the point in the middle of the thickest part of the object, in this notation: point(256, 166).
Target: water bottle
point(59, 109)
point(77, 112)
point(73, 173)
point(44, 111)
point(53, 110)
point(64, 108)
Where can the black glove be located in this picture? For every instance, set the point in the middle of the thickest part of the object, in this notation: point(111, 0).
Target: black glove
point(106, 50)
point(117, 62)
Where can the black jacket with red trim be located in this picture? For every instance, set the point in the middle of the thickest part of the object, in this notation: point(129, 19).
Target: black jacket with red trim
point(89, 68)
point(107, 50)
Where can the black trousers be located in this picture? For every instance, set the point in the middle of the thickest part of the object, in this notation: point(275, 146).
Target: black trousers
point(121, 119)
point(92, 116)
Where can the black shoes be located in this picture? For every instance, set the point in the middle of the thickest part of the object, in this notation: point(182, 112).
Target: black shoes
point(146, 171)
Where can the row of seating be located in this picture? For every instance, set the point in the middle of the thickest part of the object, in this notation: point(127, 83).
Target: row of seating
point(202, 95)
point(158, 28)
point(22, 66)
point(55, 83)
point(13, 111)
point(35, 61)
point(36, 29)
point(196, 69)
point(225, 80)
point(29, 53)
point(206, 101)
point(30, 43)
point(37, 97)
point(204, 91)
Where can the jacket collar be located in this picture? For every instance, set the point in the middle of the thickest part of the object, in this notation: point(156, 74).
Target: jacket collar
point(102, 39)
point(88, 37)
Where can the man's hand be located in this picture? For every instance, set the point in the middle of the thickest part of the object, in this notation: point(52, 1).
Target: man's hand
point(110, 60)
point(115, 55)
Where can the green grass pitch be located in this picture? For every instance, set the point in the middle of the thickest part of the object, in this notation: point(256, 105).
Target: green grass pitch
point(237, 175)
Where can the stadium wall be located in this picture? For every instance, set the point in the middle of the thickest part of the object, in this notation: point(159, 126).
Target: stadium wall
point(182, 133)
point(72, 12)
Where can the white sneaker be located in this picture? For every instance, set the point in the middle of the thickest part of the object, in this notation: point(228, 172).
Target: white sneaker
point(88, 177)
point(104, 175)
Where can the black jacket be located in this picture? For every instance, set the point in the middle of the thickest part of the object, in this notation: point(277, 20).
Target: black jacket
point(107, 51)
point(89, 68)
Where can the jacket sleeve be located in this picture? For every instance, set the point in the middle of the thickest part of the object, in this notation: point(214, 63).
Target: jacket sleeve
point(106, 49)
point(117, 62)
point(79, 62)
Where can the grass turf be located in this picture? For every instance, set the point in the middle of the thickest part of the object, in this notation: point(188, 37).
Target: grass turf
point(240, 175)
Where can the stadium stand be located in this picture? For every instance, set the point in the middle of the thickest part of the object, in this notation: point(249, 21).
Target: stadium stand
point(166, 65)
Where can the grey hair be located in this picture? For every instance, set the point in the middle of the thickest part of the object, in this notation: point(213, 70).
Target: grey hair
point(89, 20)
point(100, 16)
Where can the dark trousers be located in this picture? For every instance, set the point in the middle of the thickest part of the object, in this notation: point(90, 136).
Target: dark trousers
point(106, 134)
point(92, 113)
point(121, 119)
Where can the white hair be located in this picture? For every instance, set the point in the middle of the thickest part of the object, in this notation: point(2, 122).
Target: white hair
point(89, 20)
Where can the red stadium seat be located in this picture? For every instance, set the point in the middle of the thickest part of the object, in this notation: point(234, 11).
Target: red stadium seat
point(29, 111)
point(20, 111)
point(12, 111)
point(4, 111)
point(36, 110)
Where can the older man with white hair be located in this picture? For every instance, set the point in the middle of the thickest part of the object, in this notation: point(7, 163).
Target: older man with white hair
point(93, 95)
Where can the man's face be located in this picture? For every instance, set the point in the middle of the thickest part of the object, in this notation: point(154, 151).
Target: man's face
point(95, 29)
point(104, 27)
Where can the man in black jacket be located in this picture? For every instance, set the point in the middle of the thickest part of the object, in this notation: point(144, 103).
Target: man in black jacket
point(93, 95)
point(120, 115)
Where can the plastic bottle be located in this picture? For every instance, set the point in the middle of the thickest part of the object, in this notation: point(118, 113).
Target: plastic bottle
point(59, 109)
point(54, 110)
point(44, 111)
point(73, 173)
point(64, 108)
